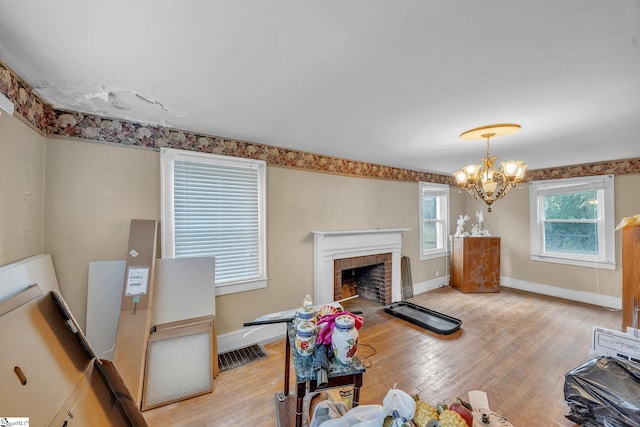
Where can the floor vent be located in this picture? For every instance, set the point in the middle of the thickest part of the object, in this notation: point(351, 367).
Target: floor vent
point(239, 357)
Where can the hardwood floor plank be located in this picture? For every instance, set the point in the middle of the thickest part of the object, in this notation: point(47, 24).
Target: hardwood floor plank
point(514, 345)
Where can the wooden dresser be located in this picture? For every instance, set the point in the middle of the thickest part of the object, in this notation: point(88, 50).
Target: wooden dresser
point(630, 272)
point(475, 264)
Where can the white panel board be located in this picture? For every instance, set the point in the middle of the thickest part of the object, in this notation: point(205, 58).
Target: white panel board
point(17, 276)
point(104, 295)
point(184, 288)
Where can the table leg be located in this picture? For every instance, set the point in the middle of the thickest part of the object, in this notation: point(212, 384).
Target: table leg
point(357, 383)
point(287, 361)
point(300, 392)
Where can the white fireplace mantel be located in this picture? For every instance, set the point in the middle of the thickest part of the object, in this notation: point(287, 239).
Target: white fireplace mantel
point(338, 244)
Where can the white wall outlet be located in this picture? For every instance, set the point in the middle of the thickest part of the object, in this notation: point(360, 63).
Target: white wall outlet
point(437, 273)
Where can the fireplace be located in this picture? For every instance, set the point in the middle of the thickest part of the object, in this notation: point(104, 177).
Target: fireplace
point(338, 251)
point(369, 277)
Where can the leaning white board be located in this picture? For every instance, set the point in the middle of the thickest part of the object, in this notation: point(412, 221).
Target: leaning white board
point(17, 276)
point(184, 288)
point(104, 295)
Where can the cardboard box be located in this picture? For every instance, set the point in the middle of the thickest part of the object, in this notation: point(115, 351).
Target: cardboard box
point(50, 374)
point(134, 322)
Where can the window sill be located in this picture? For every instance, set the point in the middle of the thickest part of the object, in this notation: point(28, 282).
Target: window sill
point(572, 261)
point(236, 287)
point(434, 255)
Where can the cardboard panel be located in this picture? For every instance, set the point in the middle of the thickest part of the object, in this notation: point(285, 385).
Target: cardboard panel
point(49, 373)
point(37, 341)
point(92, 403)
point(134, 322)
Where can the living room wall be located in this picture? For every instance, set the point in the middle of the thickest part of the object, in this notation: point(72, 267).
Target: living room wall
point(74, 199)
point(22, 157)
point(510, 221)
point(94, 190)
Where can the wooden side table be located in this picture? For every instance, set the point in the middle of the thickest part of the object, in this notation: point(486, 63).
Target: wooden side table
point(339, 376)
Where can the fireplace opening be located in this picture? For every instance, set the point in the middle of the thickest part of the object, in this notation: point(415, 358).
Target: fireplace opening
point(366, 282)
point(369, 277)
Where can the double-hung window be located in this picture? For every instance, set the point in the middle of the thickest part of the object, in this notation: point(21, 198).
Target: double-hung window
point(215, 206)
point(572, 221)
point(434, 219)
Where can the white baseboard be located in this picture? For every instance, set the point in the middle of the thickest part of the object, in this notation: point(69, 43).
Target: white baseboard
point(429, 285)
point(554, 291)
point(250, 335)
point(268, 333)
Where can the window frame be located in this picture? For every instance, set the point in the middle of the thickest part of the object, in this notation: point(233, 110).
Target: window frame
point(167, 238)
point(442, 191)
point(604, 185)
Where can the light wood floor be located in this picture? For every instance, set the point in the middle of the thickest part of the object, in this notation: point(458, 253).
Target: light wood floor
point(514, 345)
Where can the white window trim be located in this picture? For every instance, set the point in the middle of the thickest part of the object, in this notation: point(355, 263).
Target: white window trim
point(438, 252)
point(167, 157)
point(606, 228)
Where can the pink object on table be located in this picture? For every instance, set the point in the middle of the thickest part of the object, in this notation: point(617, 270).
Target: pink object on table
point(328, 320)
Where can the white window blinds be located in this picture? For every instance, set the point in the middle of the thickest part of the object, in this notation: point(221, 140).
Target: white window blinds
point(216, 213)
point(214, 206)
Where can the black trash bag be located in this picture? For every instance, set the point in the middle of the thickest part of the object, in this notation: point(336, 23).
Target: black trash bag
point(604, 392)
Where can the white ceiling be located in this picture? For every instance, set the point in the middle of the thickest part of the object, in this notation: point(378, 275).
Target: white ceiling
point(392, 82)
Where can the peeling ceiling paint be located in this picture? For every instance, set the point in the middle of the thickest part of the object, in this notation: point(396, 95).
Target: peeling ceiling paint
point(384, 82)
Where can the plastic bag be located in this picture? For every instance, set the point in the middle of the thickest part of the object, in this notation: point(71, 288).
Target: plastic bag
point(326, 411)
point(360, 416)
point(604, 392)
point(398, 400)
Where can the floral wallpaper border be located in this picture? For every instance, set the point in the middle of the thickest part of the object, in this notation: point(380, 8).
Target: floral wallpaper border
point(71, 124)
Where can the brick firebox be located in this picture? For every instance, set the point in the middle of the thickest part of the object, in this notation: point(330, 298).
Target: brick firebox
point(382, 283)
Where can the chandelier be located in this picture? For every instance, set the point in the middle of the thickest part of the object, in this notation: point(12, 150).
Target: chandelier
point(484, 182)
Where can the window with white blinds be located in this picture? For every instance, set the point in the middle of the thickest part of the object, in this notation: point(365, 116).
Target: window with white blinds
point(214, 206)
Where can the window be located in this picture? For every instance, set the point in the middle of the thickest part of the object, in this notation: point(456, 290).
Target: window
point(434, 219)
point(215, 206)
point(572, 221)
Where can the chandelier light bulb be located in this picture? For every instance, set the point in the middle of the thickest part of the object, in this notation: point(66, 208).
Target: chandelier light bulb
point(510, 167)
point(484, 182)
point(471, 171)
point(461, 176)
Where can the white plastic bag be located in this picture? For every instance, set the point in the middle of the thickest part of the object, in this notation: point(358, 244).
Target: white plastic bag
point(398, 400)
point(365, 416)
point(326, 411)
point(360, 416)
